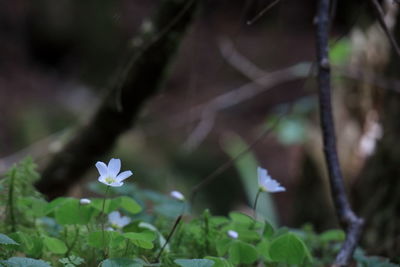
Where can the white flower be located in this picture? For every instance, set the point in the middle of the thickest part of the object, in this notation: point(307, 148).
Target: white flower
point(117, 221)
point(109, 174)
point(84, 201)
point(233, 234)
point(266, 183)
point(177, 195)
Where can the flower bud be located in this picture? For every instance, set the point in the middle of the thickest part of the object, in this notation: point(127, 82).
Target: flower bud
point(232, 234)
point(177, 195)
point(84, 201)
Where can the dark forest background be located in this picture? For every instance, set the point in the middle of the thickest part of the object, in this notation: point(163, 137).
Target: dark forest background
point(61, 60)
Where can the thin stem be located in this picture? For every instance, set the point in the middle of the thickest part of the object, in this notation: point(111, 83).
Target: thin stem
point(73, 242)
point(177, 221)
point(255, 204)
point(11, 201)
point(103, 219)
point(127, 247)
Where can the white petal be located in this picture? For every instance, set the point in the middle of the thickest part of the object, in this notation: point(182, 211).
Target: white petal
point(116, 184)
point(273, 186)
point(123, 175)
point(102, 179)
point(124, 221)
point(114, 166)
point(102, 168)
point(262, 175)
point(280, 189)
point(266, 183)
point(114, 217)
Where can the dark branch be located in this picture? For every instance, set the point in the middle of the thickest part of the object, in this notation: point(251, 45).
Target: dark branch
point(346, 216)
point(142, 75)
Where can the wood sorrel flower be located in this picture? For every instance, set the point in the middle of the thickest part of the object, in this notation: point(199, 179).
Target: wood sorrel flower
point(117, 221)
point(109, 174)
point(266, 183)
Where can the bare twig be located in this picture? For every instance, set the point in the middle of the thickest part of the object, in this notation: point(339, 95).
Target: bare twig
point(261, 82)
point(208, 111)
point(238, 61)
point(381, 19)
point(262, 12)
point(346, 216)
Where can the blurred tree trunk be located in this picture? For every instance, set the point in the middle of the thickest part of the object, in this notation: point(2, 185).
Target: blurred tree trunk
point(378, 187)
point(142, 74)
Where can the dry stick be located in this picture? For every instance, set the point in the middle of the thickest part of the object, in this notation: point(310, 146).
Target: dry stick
point(178, 220)
point(346, 216)
point(261, 82)
point(381, 19)
point(262, 12)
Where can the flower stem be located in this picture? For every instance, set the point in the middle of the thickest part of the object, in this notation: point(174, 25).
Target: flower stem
point(103, 220)
point(255, 204)
point(71, 246)
point(10, 206)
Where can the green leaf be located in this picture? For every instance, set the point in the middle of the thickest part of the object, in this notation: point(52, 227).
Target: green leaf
point(26, 262)
point(143, 239)
point(72, 261)
point(124, 202)
point(111, 239)
point(233, 145)
point(263, 249)
point(98, 239)
point(51, 207)
point(222, 246)
point(194, 263)
point(332, 235)
point(5, 240)
point(161, 238)
point(129, 204)
point(30, 244)
point(218, 220)
point(32, 206)
point(247, 235)
point(288, 248)
point(54, 245)
point(339, 53)
point(220, 262)
point(268, 230)
point(71, 212)
point(109, 205)
point(122, 262)
point(240, 252)
point(241, 218)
